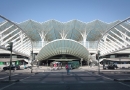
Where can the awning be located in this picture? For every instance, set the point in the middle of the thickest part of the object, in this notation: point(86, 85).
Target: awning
point(63, 46)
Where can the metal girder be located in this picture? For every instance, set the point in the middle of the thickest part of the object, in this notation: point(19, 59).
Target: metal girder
point(115, 39)
point(10, 32)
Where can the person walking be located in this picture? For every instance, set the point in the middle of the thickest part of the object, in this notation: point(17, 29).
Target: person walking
point(67, 68)
point(70, 67)
point(55, 66)
point(61, 65)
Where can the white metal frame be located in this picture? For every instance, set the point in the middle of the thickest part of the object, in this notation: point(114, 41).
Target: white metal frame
point(115, 39)
point(63, 46)
point(10, 32)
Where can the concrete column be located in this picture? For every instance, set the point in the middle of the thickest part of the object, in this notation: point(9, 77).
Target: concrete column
point(47, 62)
point(38, 63)
point(120, 62)
point(104, 63)
point(81, 61)
point(84, 38)
point(88, 62)
point(31, 61)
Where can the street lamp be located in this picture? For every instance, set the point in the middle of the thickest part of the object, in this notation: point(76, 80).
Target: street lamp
point(37, 65)
point(98, 55)
point(31, 61)
point(10, 47)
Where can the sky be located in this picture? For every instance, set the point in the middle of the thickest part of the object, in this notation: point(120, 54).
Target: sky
point(65, 10)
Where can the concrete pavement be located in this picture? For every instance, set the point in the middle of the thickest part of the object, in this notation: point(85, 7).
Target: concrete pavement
point(83, 78)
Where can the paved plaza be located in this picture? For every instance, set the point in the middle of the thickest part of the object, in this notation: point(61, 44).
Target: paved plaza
point(83, 78)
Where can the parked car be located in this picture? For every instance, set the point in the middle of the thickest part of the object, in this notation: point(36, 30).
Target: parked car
point(112, 66)
point(16, 67)
point(28, 67)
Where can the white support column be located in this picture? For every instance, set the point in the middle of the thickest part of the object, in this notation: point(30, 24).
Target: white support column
point(84, 35)
point(81, 61)
point(63, 35)
point(42, 35)
point(84, 41)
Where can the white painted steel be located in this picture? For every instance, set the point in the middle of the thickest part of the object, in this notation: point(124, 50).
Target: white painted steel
point(11, 32)
point(115, 39)
point(63, 46)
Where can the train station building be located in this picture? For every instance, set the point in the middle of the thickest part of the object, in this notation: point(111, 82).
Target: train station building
point(73, 40)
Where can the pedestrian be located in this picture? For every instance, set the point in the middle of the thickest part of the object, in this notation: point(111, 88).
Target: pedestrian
point(55, 66)
point(67, 68)
point(61, 65)
point(70, 67)
point(58, 65)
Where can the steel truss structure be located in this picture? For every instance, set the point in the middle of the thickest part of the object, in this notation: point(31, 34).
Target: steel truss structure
point(29, 35)
point(11, 32)
point(74, 29)
point(115, 39)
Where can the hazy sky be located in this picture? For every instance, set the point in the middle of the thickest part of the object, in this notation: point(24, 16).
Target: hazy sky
point(65, 10)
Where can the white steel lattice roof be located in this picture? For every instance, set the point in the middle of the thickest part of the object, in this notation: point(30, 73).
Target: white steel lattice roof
point(116, 38)
point(74, 29)
point(10, 32)
point(65, 36)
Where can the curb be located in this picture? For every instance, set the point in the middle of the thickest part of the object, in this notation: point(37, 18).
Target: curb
point(122, 80)
point(7, 81)
point(36, 73)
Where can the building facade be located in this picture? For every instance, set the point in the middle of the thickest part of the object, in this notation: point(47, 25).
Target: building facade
point(54, 40)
